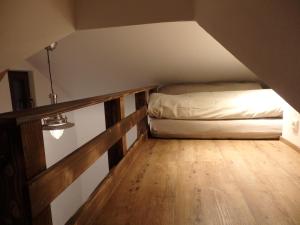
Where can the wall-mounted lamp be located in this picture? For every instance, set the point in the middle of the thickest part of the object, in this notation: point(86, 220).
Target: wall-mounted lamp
point(55, 124)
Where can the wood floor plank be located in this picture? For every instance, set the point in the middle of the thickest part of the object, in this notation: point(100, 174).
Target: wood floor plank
point(122, 203)
point(276, 172)
point(155, 201)
point(227, 203)
point(285, 157)
point(188, 204)
point(276, 180)
point(267, 205)
point(208, 182)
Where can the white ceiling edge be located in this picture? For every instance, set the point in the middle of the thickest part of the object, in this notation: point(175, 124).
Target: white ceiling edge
point(93, 62)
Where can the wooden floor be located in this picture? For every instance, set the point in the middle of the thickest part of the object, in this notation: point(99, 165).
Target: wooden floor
point(186, 182)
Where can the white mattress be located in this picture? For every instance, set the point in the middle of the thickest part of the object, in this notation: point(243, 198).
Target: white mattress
point(217, 129)
point(178, 89)
point(249, 104)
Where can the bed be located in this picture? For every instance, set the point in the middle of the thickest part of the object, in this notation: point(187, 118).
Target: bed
point(216, 111)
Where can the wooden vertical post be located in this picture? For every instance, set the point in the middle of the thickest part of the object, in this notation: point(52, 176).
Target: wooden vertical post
point(114, 112)
point(22, 157)
point(35, 160)
point(14, 198)
point(140, 101)
point(33, 147)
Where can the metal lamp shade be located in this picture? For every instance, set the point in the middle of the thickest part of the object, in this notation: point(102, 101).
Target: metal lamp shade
point(57, 122)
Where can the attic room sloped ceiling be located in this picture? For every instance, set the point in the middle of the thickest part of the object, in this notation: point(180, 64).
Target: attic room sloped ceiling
point(92, 62)
point(263, 35)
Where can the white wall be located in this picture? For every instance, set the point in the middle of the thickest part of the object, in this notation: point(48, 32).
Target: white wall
point(291, 127)
point(67, 203)
point(90, 122)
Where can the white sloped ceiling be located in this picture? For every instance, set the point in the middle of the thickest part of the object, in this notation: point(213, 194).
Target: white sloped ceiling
point(264, 35)
point(93, 62)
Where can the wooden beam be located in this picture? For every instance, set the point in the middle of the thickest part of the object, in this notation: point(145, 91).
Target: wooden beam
point(33, 147)
point(44, 218)
point(13, 183)
point(141, 101)
point(49, 184)
point(44, 111)
point(114, 112)
point(106, 188)
point(35, 162)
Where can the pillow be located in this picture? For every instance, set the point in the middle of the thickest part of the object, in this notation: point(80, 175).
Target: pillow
point(178, 89)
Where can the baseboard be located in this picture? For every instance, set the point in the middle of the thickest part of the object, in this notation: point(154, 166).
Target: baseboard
point(287, 142)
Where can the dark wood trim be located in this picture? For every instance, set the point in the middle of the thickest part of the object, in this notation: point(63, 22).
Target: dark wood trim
point(35, 162)
point(114, 112)
point(20, 90)
point(141, 101)
point(14, 195)
point(44, 218)
point(33, 148)
point(44, 111)
point(105, 189)
point(37, 186)
point(49, 184)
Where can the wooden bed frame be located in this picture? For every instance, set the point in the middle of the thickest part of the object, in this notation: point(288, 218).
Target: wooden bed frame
point(28, 187)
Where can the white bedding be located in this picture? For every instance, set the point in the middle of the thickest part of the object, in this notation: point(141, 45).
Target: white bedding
point(177, 89)
point(217, 129)
point(227, 105)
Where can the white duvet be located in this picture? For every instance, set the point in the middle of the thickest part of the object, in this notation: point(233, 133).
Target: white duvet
point(249, 104)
